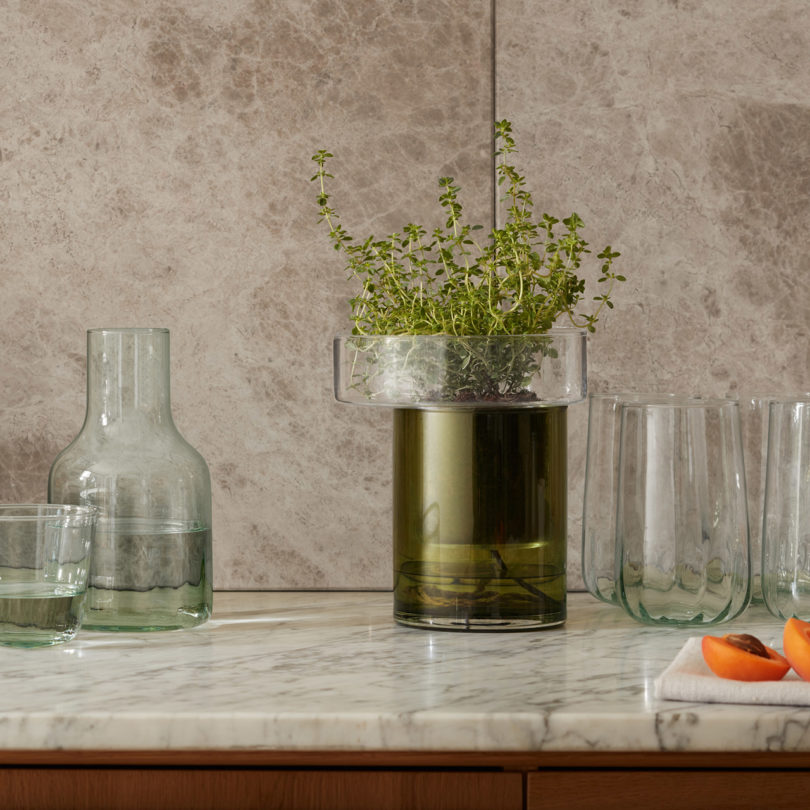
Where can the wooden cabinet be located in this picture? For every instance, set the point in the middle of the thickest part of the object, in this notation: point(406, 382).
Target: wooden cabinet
point(667, 789)
point(209, 780)
point(257, 789)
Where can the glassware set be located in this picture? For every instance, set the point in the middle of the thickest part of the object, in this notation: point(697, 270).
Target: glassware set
point(125, 541)
point(694, 507)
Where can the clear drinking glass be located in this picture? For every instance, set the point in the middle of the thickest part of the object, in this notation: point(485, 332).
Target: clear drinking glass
point(682, 546)
point(786, 522)
point(151, 567)
point(754, 416)
point(599, 503)
point(44, 559)
point(754, 424)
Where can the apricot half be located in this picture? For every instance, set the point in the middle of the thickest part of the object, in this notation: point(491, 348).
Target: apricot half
point(741, 657)
point(796, 643)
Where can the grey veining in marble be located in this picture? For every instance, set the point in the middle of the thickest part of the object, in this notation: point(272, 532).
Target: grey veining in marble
point(325, 671)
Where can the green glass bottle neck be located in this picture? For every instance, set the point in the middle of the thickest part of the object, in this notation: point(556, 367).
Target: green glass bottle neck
point(128, 377)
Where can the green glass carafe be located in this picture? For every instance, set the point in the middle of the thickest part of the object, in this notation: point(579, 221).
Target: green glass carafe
point(151, 565)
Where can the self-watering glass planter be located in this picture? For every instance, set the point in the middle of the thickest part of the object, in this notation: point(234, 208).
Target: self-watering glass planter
point(480, 479)
point(151, 562)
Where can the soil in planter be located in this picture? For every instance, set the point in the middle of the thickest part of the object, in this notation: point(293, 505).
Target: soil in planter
point(480, 518)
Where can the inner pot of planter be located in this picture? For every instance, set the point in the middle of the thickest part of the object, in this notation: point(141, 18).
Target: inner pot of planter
point(480, 471)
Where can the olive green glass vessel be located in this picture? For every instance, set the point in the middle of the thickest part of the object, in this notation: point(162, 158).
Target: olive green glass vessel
point(480, 518)
point(480, 471)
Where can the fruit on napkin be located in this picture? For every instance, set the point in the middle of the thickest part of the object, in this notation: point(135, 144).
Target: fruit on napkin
point(742, 657)
point(796, 643)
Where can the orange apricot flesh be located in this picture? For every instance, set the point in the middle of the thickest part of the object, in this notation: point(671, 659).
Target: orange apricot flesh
point(796, 644)
point(727, 659)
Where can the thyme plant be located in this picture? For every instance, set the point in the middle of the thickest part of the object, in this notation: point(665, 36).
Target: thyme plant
point(519, 281)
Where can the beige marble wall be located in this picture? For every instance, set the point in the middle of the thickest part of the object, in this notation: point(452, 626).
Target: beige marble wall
point(680, 132)
point(154, 165)
point(154, 170)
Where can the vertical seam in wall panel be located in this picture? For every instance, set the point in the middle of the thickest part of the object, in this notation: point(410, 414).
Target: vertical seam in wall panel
point(493, 111)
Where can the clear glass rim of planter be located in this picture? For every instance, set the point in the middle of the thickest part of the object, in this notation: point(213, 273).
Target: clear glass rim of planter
point(449, 372)
point(17, 512)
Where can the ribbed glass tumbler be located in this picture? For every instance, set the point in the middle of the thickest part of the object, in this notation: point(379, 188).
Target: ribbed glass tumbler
point(682, 546)
point(786, 523)
point(601, 476)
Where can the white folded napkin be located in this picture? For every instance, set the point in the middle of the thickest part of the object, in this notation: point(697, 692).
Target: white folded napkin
point(689, 678)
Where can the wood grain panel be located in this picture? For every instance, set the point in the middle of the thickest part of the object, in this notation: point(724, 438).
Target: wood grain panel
point(507, 760)
point(669, 789)
point(246, 789)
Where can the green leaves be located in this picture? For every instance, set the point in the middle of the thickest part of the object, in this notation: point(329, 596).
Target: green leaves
point(519, 281)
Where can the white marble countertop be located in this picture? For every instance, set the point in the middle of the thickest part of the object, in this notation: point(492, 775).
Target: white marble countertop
point(331, 671)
